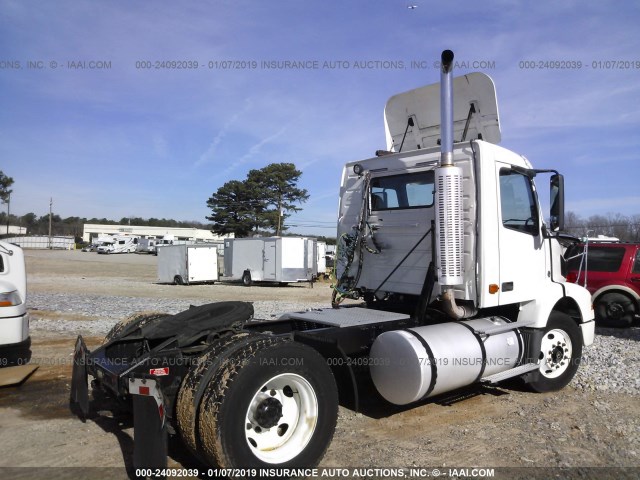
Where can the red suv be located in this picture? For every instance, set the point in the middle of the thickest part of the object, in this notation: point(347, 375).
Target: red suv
point(611, 272)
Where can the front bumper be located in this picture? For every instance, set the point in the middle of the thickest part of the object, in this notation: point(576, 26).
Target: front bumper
point(13, 330)
point(15, 353)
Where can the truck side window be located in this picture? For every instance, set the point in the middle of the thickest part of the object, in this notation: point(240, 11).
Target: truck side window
point(399, 192)
point(517, 203)
point(1, 264)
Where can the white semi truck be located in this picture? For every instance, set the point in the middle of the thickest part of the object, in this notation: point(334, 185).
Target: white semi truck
point(15, 342)
point(461, 281)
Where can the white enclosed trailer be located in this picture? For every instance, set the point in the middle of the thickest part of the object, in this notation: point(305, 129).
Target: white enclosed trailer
point(270, 259)
point(186, 264)
point(321, 256)
point(146, 245)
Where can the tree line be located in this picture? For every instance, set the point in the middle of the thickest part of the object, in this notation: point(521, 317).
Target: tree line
point(262, 202)
point(73, 226)
point(625, 228)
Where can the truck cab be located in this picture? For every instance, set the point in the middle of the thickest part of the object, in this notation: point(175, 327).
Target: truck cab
point(15, 342)
point(509, 257)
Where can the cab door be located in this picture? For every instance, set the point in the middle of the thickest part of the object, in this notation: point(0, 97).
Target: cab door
point(270, 260)
point(521, 248)
point(401, 207)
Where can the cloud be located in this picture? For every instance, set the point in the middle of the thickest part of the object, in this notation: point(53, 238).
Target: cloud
point(253, 151)
point(209, 155)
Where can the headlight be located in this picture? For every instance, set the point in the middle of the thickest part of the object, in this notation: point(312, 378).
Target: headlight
point(10, 299)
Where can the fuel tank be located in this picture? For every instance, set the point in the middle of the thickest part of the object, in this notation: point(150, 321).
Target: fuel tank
point(416, 363)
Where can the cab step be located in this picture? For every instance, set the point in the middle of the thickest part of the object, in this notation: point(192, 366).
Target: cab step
point(503, 327)
point(514, 372)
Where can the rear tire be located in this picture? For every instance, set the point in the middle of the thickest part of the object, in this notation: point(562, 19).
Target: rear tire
point(130, 323)
point(246, 279)
point(273, 403)
point(560, 354)
point(194, 384)
point(177, 280)
point(615, 310)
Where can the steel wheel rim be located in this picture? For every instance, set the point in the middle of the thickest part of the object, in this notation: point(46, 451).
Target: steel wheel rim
point(557, 353)
point(292, 431)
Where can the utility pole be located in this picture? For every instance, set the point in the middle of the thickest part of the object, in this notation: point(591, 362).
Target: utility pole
point(278, 231)
point(8, 204)
point(50, 210)
point(280, 215)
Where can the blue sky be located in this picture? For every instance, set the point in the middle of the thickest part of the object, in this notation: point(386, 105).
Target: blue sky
point(127, 141)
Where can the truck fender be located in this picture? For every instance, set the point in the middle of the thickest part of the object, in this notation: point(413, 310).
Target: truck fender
point(340, 367)
point(569, 298)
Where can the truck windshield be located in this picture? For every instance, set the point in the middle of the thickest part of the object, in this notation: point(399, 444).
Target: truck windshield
point(397, 192)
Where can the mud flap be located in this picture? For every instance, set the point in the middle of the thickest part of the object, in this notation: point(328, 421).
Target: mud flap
point(149, 424)
point(79, 380)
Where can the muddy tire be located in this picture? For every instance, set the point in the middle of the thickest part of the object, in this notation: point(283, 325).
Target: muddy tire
point(194, 383)
point(615, 310)
point(273, 403)
point(560, 354)
point(129, 324)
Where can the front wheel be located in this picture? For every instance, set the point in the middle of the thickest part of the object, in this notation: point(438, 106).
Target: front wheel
point(246, 279)
point(614, 310)
point(560, 353)
point(269, 406)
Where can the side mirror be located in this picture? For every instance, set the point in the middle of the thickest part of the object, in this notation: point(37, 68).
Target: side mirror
point(556, 198)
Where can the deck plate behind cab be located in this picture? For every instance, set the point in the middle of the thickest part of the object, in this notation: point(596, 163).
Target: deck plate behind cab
point(345, 317)
point(15, 375)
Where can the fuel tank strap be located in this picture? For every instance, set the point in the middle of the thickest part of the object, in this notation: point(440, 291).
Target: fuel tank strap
point(482, 348)
point(432, 362)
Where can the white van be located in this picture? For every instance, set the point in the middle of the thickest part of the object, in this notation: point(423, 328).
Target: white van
point(15, 342)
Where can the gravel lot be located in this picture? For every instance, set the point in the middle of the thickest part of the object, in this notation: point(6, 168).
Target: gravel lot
point(590, 426)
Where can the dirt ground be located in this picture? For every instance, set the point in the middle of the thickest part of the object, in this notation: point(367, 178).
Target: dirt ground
point(579, 434)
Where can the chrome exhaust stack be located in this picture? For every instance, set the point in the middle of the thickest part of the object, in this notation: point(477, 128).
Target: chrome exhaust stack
point(446, 109)
point(449, 209)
